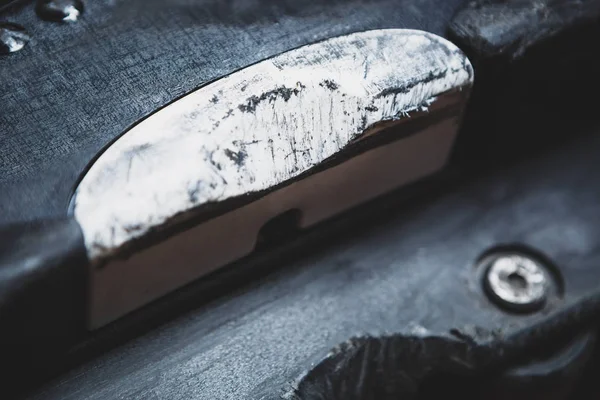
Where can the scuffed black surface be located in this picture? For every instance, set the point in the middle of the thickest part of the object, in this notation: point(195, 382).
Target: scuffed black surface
point(408, 367)
point(76, 87)
point(510, 28)
point(536, 64)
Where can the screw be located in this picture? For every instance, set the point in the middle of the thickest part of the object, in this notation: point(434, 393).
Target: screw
point(12, 38)
point(517, 283)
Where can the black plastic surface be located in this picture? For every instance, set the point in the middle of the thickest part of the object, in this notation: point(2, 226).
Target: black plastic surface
point(43, 280)
point(536, 67)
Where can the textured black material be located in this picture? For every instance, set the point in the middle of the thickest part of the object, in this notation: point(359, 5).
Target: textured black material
point(42, 294)
point(76, 87)
point(511, 28)
point(556, 377)
point(536, 64)
point(394, 266)
point(412, 367)
point(5, 4)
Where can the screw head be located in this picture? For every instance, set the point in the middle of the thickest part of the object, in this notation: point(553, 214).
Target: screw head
point(12, 38)
point(516, 282)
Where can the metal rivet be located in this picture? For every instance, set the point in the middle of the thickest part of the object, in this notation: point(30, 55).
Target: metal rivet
point(12, 38)
point(59, 10)
point(516, 282)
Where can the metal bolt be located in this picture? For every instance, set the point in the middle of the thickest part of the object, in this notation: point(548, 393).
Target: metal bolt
point(516, 282)
point(12, 38)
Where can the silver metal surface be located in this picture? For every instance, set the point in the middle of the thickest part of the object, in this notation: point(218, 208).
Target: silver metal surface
point(517, 282)
point(259, 128)
point(255, 132)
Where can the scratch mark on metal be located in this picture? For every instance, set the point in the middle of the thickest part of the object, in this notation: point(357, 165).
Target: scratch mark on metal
point(306, 105)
